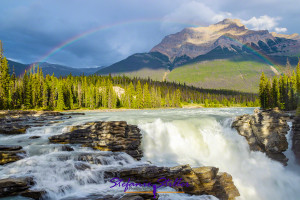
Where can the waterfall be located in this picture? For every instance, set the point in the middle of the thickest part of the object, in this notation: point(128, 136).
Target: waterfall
point(199, 137)
point(210, 142)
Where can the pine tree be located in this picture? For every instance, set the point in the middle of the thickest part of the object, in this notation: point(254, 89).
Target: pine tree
point(282, 93)
point(45, 95)
point(298, 77)
point(53, 92)
point(275, 93)
point(159, 101)
point(2, 93)
point(146, 94)
point(60, 99)
point(4, 82)
point(26, 90)
point(262, 92)
point(153, 96)
point(139, 95)
point(167, 100)
point(288, 67)
point(268, 94)
point(79, 95)
point(97, 94)
point(178, 96)
point(13, 90)
point(71, 101)
point(104, 94)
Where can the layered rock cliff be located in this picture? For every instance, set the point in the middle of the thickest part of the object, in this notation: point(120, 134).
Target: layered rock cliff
point(115, 136)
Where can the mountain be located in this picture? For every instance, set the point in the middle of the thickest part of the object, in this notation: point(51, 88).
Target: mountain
point(48, 68)
point(229, 34)
point(225, 55)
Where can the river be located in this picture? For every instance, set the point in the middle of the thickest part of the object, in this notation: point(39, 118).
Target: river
point(171, 137)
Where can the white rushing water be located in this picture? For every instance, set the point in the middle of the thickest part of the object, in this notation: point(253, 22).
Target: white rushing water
point(170, 137)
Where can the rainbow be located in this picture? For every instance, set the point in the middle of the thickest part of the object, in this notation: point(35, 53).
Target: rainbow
point(87, 33)
point(82, 35)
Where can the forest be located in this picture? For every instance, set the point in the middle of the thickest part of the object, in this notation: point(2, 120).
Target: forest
point(34, 90)
point(282, 91)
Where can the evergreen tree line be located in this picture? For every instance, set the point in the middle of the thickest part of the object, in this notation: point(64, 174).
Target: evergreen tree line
point(33, 90)
point(282, 91)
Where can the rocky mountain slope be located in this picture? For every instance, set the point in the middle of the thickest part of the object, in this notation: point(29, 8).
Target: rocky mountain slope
point(210, 56)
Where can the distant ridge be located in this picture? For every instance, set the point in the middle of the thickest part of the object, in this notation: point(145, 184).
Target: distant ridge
point(48, 68)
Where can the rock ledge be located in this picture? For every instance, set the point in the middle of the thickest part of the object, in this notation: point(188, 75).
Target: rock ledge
point(265, 131)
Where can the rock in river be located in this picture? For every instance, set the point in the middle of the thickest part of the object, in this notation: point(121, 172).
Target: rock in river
point(19, 186)
point(10, 154)
point(201, 180)
point(18, 121)
point(115, 136)
point(265, 131)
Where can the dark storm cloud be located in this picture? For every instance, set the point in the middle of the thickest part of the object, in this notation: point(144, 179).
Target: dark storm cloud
point(29, 29)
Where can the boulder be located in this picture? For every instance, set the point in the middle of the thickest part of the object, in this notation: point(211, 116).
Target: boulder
point(9, 153)
point(81, 166)
point(34, 137)
point(14, 186)
point(13, 128)
point(67, 148)
point(115, 136)
point(265, 131)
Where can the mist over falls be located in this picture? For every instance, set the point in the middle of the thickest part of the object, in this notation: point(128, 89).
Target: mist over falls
point(199, 137)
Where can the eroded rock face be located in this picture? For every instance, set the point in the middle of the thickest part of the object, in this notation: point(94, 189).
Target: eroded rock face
point(115, 136)
point(265, 131)
point(296, 138)
point(202, 180)
point(10, 154)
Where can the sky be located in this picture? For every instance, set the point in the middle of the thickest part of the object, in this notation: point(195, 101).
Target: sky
point(93, 33)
